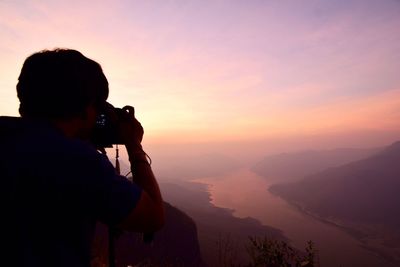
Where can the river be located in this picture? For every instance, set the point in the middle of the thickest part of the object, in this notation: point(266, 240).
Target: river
point(247, 194)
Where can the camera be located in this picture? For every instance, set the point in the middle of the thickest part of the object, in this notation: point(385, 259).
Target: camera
point(105, 132)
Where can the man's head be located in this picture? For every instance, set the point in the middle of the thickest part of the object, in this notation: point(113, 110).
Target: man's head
point(60, 85)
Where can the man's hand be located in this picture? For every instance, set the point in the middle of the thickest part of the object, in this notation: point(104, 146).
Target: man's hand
point(148, 216)
point(130, 130)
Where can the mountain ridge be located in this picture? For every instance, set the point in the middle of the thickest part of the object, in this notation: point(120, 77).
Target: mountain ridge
point(361, 196)
point(296, 165)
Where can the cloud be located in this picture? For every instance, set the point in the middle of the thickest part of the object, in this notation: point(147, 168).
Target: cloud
point(224, 70)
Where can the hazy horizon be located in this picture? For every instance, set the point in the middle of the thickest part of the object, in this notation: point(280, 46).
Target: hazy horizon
point(228, 75)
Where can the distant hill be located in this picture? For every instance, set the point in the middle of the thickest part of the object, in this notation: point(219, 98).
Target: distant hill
point(293, 166)
point(363, 196)
point(193, 167)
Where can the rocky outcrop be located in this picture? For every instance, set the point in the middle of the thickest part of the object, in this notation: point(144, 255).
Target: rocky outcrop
point(175, 245)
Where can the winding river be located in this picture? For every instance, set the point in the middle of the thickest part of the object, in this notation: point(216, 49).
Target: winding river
point(247, 194)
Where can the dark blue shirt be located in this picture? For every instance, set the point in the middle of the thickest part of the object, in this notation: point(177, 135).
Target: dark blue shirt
point(53, 191)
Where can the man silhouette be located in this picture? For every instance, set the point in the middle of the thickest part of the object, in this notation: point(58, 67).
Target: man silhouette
point(55, 184)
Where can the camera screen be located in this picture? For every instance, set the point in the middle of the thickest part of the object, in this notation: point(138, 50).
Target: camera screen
point(101, 120)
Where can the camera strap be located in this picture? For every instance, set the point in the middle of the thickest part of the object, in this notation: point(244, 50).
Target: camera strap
point(112, 231)
point(117, 166)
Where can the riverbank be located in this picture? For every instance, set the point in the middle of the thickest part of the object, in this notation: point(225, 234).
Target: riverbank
point(390, 254)
point(222, 236)
point(246, 193)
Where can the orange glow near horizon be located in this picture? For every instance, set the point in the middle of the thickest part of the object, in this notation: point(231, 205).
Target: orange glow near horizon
point(247, 72)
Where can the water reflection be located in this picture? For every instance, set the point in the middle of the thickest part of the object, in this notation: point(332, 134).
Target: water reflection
point(247, 193)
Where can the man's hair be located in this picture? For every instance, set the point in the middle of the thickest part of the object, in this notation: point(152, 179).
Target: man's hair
point(60, 84)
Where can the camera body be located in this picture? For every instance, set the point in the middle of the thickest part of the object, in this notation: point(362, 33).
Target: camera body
point(105, 132)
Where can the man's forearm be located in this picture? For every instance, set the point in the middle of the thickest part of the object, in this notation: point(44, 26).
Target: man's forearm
point(142, 173)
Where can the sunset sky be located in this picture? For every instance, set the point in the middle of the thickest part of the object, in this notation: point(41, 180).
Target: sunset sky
point(201, 71)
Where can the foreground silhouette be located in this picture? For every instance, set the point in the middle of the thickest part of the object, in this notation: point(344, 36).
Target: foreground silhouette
point(56, 185)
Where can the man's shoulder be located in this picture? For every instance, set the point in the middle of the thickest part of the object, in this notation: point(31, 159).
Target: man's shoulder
point(37, 141)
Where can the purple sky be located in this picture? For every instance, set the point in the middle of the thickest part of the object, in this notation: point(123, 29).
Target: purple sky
point(226, 70)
